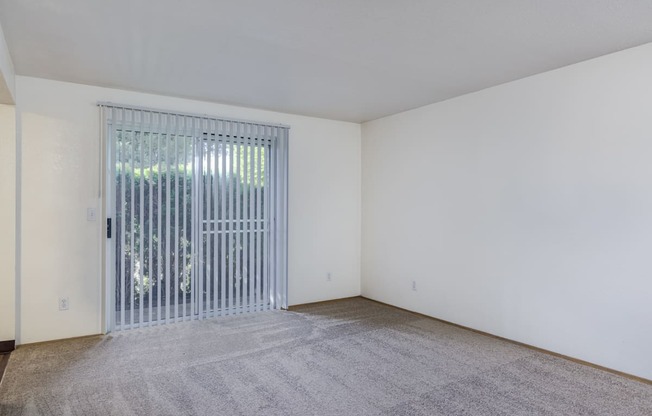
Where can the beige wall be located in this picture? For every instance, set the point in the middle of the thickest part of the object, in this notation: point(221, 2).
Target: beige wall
point(524, 210)
point(61, 250)
point(7, 221)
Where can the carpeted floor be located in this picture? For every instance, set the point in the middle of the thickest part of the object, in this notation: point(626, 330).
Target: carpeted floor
point(351, 357)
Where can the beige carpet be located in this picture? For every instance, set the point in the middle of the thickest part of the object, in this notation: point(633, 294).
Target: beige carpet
point(352, 357)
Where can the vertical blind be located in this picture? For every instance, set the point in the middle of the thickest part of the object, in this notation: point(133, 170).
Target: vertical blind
point(199, 216)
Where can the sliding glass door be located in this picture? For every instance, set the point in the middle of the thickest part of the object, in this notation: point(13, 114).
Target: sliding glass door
point(198, 217)
point(235, 225)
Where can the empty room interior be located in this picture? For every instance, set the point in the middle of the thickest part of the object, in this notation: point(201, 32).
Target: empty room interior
point(419, 207)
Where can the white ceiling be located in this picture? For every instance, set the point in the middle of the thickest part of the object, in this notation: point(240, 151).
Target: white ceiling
point(353, 60)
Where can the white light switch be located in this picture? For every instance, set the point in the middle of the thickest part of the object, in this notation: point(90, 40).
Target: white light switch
point(90, 214)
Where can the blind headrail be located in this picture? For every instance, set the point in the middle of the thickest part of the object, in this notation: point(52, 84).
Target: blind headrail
point(108, 104)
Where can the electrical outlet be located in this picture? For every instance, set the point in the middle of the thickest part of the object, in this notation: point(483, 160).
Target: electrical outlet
point(329, 276)
point(414, 285)
point(64, 303)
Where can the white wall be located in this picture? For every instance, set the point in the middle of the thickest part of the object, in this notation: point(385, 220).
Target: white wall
point(7, 194)
point(524, 210)
point(7, 75)
point(60, 251)
point(7, 221)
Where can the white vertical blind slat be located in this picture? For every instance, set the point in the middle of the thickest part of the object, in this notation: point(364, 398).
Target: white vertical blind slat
point(251, 223)
point(267, 211)
point(132, 233)
point(200, 221)
point(175, 195)
point(123, 227)
point(150, 231)
point(208, 221)
point(216, 216)
point(193, 229)
point(113, 268)
point(252, 218)
point(159, 225)
point(247, 221)
point(223, 279)
point(259, 218)
point(184, 217)
point(141, 235)
point(230, 211)
point(237, 223)
point(274, 219)
point(269, 189)
point(166, 278)
point(282, 210)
